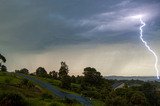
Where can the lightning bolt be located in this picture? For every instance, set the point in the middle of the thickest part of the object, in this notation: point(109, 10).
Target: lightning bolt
point(147, 46)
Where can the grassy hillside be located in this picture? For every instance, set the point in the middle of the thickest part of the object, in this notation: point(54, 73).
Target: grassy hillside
point(14, 88)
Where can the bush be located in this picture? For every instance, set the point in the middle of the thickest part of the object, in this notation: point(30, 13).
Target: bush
point(46, 96)
point(12, 99)
point(70, 101)
point(7, 80)
point(117, 101)
point(26, 83)
point(75, 88)
point(92, 94)
point(56, 104)
point(66, 83)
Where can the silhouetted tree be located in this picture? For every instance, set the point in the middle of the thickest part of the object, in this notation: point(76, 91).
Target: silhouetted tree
point(91, 76)
point(24, 71)
point(73, 79)
point(79, 79)
point(53, 74)
point(66, 82)
point(63, 71)
point(3, 68)
point(41, 72)
point(2, 60)
point(63, 75)
point(16, 71)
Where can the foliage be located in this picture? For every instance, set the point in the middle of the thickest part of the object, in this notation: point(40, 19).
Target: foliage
point(26, 83)
point(41, 72)
point(138, 99)
point(7, 80)
point(63, 71)
point(55, 103)
point(53, 74)
point(150, 93)
point(2, 58)
point(73, 79)
point(46, 96)
point(92, 77)
point(66, 82)
point(12, 99)
point(69, 101)
point(117, 101)
point(63, 75)
point(23, 71)
point(3, 68)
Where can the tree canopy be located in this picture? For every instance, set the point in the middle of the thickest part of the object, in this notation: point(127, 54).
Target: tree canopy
point(41, 72)
point(92, 76)
point(63, 71)
point(2, 58)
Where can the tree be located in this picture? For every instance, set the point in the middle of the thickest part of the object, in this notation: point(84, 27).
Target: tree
point(3, 68)
point(73, 79)
point(63, 71)
point(63, 75)
point(138, 99)
point(53, 74)
point(66, 82)
point(92, 77)
point(24, 71)
point(41, 72)
point(2, 60)
point(149, 90)
point(117, 101)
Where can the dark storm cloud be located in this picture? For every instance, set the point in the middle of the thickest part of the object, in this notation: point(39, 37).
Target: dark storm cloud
point(97, 33)
point(35, 25)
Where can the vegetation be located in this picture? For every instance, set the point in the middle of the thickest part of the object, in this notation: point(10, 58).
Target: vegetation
point(16, 90)
point(41, 72)
point(3, 68)
point(63, 76)
point(23, 71)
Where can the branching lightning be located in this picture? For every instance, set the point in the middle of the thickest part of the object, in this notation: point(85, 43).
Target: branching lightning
point(147, 46)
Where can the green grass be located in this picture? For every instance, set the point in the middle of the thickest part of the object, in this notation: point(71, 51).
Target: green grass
point(8, 78)
point(97, 103)
point(12, 85)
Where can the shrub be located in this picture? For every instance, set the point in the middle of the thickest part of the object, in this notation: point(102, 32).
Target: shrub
point(70, 101)
point(46, 96)
point(7, 80)
point(12, 99)
point(92, 94)
point(56, 104)
point(26, 83)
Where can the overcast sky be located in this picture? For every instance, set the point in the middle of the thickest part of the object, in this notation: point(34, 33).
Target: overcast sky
point(98, 33)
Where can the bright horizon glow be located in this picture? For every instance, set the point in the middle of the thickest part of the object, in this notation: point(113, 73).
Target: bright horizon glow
point(146, 45)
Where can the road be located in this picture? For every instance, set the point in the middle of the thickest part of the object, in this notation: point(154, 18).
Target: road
point(55, 91)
